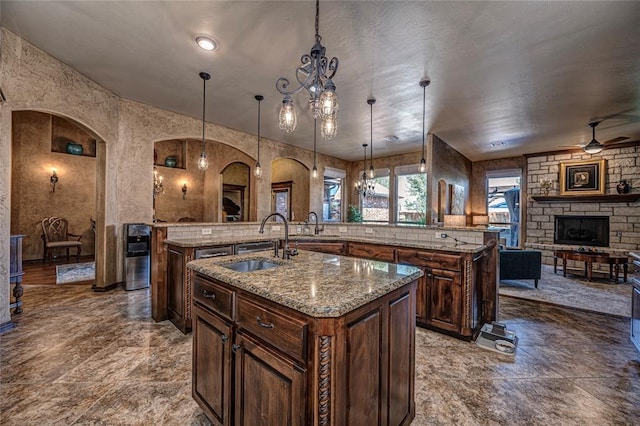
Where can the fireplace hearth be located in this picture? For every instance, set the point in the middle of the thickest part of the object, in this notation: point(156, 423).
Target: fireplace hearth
point(582, 230)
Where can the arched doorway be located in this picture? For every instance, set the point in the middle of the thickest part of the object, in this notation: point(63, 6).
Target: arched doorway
point(290, 191)
point(236, 179)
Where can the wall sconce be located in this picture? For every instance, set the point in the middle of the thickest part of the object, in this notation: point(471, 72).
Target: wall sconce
point(455, 220)
point(481, 220)
point(184, 191)
point(53, 179)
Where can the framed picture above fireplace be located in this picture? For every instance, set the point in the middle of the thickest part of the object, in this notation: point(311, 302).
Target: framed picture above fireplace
point(583, 177)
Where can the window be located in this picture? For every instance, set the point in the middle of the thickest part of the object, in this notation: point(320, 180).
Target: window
point(375, 208)
point(411, 196)
point(332, 194)
point(503, 205)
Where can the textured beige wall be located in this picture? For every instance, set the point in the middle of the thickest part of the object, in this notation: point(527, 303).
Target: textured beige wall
point(32, 198)
point(33, 80)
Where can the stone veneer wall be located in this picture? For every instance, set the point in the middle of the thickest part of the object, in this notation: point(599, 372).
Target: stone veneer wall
point(624, 218)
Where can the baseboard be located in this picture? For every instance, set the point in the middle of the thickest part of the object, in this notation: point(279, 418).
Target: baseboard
point(6, 326)
point(107, 288)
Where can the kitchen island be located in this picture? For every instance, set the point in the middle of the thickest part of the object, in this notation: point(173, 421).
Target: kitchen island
point(319, 339)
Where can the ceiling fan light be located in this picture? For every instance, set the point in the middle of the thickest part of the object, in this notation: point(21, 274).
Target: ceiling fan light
point(287, 118)
point(593, 147)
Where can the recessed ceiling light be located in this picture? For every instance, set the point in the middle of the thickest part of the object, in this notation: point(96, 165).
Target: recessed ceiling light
point(391, 138)
point(206, 43)
point(493, 145)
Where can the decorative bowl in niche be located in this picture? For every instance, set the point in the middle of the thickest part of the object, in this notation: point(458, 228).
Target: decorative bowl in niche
point(170, 161)
point(74, 148)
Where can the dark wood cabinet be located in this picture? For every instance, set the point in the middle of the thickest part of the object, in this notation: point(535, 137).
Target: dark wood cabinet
point(444, 305)
point(287, 368)
point(179, 287)
point(635, 300)
point(16, 272)
point(212, 369)
point(269, 388)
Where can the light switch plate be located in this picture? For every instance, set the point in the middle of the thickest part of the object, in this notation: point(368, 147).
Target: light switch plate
point(206, 231)
point(368, 230)
point(440, 234)
point(275, 228)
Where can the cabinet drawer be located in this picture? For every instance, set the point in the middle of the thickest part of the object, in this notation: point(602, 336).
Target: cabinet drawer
point(429, 259)
point(331, 248)
point(213, 297)
point(285, 333)
point(372, 251)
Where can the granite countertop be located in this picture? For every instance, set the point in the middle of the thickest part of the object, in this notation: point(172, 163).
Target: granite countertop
point(449, 247)
point(316, 284)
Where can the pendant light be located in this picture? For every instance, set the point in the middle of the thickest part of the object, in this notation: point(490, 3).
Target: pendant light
point(203, 163)
point(315, 75)
point(372, 171)
point(423, 84)
point(258, 170)
point(365, 187)
point(314, 172)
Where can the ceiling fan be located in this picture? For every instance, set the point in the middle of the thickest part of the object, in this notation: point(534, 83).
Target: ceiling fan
point(594, 146)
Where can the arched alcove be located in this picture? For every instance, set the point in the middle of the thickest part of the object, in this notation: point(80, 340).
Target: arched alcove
point(236, 189)
point(290, 180)
point(42, 142)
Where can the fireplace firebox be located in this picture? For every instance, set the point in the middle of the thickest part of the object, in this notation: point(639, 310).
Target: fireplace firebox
point(582, 230)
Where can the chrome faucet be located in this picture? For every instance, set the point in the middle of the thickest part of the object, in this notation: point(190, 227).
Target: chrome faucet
point(286, 251)
point(316, 230)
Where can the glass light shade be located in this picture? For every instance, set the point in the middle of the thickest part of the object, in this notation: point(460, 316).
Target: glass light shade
point(203, 163)
point(314, 172)
point(593, 147)
point(372, 172)
point(257, 172)
point(481, 220)
point(329, 103)
point(329, 128)
point(287, 119)
point(456, 220)
point(423, 165)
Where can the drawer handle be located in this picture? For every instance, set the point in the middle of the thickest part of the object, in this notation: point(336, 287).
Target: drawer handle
point(428, 259)
point(263, 324)
point(208, 295)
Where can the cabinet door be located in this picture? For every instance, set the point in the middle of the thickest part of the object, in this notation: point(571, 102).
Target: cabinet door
point(270, 390)
point(175, 288)
point(212, 372)
point(635, 314)
point(445, 300)
point(422, 299)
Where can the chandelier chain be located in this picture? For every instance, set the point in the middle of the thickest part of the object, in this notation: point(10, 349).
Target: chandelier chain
point(318, 38)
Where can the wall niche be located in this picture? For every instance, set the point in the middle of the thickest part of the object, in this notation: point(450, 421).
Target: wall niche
point(170, 153)
point(69, 138)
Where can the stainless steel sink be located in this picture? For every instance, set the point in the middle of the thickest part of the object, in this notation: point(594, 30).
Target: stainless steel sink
point(250, 265)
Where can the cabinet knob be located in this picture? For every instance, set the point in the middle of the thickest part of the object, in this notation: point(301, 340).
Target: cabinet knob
point(235, 347)
point(263, 324)
point(208, 295)
point(224, 338)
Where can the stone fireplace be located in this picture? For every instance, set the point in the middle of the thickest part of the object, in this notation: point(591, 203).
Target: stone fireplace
point(582, 230)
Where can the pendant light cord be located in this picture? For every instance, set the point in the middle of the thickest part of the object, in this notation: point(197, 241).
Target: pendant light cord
point(259, 102)
point(204, 97)
point(315, 123)
point(424, 101)
point(318, 38)
point(371, 129)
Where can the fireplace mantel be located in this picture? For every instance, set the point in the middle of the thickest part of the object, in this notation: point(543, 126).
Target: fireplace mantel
point(612, 198)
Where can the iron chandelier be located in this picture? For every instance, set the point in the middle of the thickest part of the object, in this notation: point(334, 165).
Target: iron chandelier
point(316, 76)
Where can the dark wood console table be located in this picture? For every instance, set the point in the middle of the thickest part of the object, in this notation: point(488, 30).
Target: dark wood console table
point(589, 258)
point(15, 272)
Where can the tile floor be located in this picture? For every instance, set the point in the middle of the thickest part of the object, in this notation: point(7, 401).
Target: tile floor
point(78, 357)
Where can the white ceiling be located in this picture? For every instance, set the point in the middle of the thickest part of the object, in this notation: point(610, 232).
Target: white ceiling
point(528, 74)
